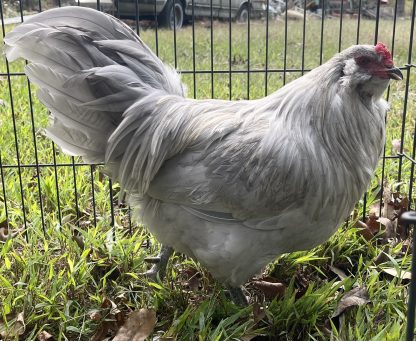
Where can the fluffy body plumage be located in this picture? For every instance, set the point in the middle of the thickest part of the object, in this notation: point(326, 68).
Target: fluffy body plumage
point(233, 184)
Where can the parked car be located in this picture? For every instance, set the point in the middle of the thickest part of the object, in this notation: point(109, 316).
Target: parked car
point(172, 13)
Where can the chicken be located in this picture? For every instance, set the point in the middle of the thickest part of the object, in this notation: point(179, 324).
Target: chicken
point(232, 184)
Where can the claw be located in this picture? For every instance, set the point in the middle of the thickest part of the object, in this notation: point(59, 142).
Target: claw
point(158, 269)
point(151, 275)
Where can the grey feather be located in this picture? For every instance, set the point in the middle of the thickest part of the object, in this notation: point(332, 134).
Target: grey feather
point(233, 184)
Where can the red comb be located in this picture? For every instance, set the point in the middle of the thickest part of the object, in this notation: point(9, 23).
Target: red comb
point(382, 50)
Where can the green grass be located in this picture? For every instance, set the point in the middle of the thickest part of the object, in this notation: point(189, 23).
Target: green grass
point(57, 284)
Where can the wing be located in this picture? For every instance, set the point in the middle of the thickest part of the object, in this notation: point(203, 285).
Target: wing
point(235, 177)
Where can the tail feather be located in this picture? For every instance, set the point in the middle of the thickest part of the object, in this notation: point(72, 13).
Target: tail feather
point(90, 68)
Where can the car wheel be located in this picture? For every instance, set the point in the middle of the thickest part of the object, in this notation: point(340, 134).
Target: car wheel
point(243, 13)
point(173, 14)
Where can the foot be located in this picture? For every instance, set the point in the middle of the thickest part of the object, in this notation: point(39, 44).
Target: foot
point(237, 296)
point(158, 269)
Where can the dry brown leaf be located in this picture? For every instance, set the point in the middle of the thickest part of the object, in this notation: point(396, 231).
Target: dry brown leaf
point(271, 290)
point(14, 328)
point(402, 274)
point(390, 230)
point(372, 223)
point(6, 234)
point(45, 336)
point(387, 198)
point(107, 303)
point(364, 230)
point(139, 325)
point(95, 315)
point(107, 327)
point(112, 323)
point(356, 297)
point(374, 209)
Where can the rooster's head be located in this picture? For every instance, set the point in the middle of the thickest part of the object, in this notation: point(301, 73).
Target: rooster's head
point(368, 69)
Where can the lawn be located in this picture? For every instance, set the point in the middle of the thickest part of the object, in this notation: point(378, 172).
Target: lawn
point(71, 268)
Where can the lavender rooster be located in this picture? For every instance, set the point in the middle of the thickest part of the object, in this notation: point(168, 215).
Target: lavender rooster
point(232, 184)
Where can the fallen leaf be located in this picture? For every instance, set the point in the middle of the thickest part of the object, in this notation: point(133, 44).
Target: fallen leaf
point(6, 234)
point(107, 303)
point(45, 336)
point(388, 207)
point(373, 223)
point(374, 209)
point(390, 230)
point(95, 315)
point(14, 328)
point(106, 328)
point(398, 274)
point(271, 290)
point(114, 318)
point(364, 230)
point(139, 325)
point(356, 297)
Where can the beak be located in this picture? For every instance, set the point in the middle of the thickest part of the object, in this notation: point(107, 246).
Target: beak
point(394, 73)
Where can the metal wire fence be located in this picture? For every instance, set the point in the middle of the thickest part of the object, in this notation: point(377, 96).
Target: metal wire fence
point(218, 58)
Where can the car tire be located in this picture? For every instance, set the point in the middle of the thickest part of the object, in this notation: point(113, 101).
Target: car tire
point(173, 13)
point(243, 13)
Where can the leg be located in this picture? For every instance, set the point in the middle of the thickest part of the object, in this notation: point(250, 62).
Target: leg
point(159, 263)
point(237, 296)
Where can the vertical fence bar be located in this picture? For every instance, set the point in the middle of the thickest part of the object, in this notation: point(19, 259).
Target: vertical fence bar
point(136, 19)
point(3, 185)
point(409, 218)
point(321, 49)
point(340, 26)
point(193, 48)
point(406, 94)
point(229, 50)
point(303, 39)
point(285, 47)
point(359, 21)
point(156, 30)
point(19, 170)
point(55, 168)
point(94, 210)
point(36, 157)
point(383, 164)
point(212, 48)
point(113, 219)
point(248, 49)
point(412, 172)
point(377, 22)
point(175, 55)
point(74, 174)
point(266, 62)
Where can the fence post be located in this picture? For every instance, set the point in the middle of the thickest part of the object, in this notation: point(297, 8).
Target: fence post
point(410, 218)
